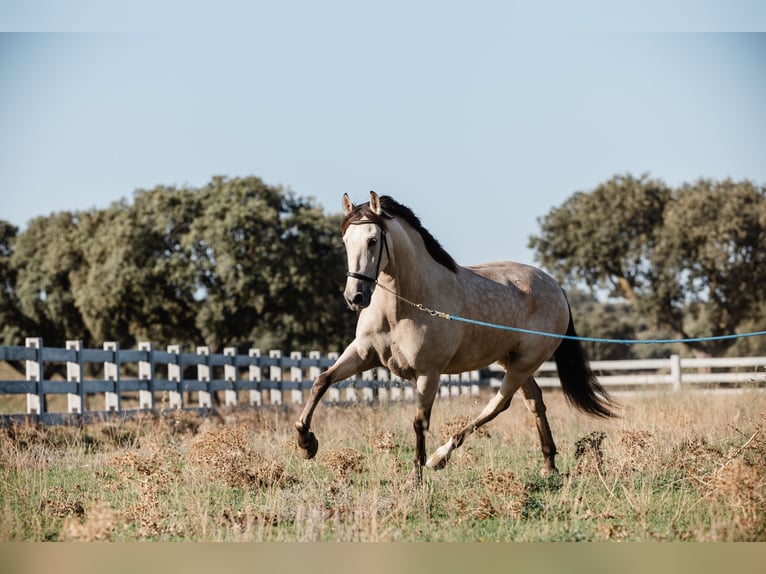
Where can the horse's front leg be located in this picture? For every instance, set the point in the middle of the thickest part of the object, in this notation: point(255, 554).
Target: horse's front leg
point(426, 388)
point(348, 364)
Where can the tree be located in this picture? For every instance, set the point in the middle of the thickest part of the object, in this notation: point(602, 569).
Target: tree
point(45, 258)
point(12, 322)
point(313, 282)
point(139, 280)
point(265, 262)
point(711, 261)
point(605, 238)
point(682, 257)
point(236, 262)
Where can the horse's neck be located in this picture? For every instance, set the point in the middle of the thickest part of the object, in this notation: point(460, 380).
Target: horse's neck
point(414, 274)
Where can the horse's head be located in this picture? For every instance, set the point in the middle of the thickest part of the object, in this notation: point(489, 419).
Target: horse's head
point(364, 236)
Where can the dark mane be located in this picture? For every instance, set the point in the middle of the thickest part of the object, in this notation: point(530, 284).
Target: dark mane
point(392, 209)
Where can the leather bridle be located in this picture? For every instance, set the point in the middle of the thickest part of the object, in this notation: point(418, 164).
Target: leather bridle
point(383, 245)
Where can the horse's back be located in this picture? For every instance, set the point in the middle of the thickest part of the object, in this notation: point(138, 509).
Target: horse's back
point(525, 278)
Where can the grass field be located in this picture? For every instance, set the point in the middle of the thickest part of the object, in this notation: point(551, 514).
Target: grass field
point(675, 467)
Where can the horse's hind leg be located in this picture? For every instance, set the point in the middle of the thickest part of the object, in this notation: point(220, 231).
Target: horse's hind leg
point(500, 402)
point(533, 399)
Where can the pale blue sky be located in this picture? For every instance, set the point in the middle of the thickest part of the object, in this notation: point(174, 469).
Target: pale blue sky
point(480, 116)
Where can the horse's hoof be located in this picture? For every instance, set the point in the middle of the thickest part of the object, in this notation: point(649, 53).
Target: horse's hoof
point(548, 471)
point(438, 460)
point(308, 444)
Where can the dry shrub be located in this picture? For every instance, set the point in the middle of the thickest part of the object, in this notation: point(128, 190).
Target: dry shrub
point(610, 530)
point(697, 459)
point(481, 509)
point(340, 506)
point(384, 441)
point(100, 520)
point(8, 452)
point(244, 520)
point(733, 477)
point(741, 485)
point(127, 464)
point(240, 521)
point(513, 492)
point(636, 445)
point(589, 454)
point(58, 503)
point(152, 470)
point(343, 461)
point(225, 453)
point(25, 435)
point(456, 424)
point(149, 512)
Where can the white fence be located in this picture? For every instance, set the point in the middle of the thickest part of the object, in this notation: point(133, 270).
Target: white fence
point(149, 379)
point(672, 372)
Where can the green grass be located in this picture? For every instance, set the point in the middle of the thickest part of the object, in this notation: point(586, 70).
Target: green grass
point(674, 467)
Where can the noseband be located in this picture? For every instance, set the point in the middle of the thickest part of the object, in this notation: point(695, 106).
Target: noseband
point(383, 245)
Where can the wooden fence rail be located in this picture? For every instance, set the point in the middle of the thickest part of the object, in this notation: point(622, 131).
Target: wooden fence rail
point(150, 379)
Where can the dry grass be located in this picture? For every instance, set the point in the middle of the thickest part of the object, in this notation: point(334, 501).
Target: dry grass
point(674, 467)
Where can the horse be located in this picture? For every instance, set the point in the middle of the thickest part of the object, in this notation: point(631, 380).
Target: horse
point(397, 272)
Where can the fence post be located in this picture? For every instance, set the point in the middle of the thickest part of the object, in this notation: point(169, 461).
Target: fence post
point(406, 389)
point(255, 373)
point(275, 374)
point(391, 383)
point(334, 391)
point(113, 400)
point(385, 392)
point(231, 375)
point(75, 401)
point(675, 372)
point(176, 374)
point(204, 398)
point(296, 376)
point(314, 370)
point(35, 372)
point(471, 377)
point(146, 373)
point(444, 386)
point(368, 392)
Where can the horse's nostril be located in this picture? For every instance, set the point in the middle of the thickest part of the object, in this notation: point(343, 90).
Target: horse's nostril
point(358, 299)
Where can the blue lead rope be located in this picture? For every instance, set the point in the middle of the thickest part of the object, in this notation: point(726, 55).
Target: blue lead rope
point(451, 317)
point(601, 339)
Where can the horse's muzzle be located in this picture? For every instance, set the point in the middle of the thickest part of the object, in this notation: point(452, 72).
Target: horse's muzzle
point(358, 295)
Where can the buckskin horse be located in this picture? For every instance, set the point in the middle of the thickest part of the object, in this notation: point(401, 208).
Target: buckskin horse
point(398, 272)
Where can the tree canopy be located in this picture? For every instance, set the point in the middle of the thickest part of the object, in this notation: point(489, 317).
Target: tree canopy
point(690, 258)
point(234, 263)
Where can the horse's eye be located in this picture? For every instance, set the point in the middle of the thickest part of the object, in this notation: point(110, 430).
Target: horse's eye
point(372, 241)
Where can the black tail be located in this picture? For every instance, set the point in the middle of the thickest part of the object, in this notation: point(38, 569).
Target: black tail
point(581, 388)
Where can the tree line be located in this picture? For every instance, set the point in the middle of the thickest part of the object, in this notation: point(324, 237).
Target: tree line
point(234, 263)
point(241, 263)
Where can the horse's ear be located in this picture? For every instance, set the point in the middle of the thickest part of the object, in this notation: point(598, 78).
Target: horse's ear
point(348, 205)
point(375, 203)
